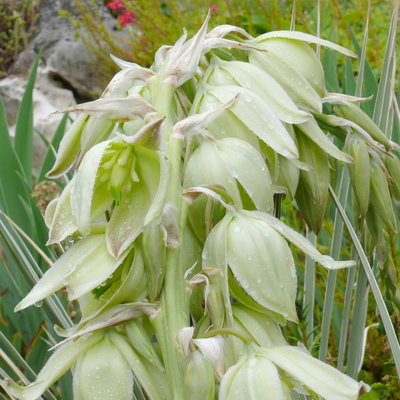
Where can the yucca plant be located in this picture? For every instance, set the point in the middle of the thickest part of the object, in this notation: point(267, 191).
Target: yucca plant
point(180, 266)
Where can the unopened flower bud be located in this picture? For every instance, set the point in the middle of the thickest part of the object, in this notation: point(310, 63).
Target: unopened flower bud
point(199, 377)
point(103, 373)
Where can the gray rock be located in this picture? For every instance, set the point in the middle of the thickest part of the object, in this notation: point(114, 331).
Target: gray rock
point(66, 57)
point(65, 75)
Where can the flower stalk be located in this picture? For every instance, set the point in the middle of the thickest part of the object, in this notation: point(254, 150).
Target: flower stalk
point(174, 313)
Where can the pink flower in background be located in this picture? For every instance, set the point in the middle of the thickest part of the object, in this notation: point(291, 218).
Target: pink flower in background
point(127, 18)
point(116, 5)
point(214, 8)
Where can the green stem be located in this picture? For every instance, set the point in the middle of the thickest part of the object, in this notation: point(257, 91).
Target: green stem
point(226, 331)
point(309, 292)
point(174, 313)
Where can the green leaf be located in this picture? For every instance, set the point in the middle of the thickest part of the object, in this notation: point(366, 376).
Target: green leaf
point(12, 182)
point(386, 85)
point(330, 67)
point(24, 126)
point(349, 80)
point(370, 82)
point(383, 311)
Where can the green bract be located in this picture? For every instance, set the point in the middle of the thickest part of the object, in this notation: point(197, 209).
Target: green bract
point(183, 275)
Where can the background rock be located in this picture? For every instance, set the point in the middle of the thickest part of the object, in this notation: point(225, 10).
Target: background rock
point(66, 58)
point(64, 77)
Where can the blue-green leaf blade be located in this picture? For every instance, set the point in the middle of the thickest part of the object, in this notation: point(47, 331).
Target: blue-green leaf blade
point(24, 127)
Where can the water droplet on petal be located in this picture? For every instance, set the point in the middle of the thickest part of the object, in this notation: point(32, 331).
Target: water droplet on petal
point(252, 363)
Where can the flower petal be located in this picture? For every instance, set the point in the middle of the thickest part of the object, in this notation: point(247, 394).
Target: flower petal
point(301, 242)
point(127, 220)
point(111, 317)
point(296, 86)
point(55, 278)
point(315, 133)
point(252, 378)
point(255, 79)
point(254, 112)
point(247, 166)
point(263, 264)
point(62, 223)
point(69, 148)
point(103, 373)
point(321, 378)
point(115, 108)
point(149, 381)
point(94, 270)
point(305, 37)
point(57, 365)
point(184, 57)
point(82, 191)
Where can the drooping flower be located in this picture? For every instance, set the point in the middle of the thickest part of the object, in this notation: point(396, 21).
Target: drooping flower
point(245, 379)
point(105, 366)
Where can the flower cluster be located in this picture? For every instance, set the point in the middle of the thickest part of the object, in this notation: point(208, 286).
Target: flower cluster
point(125, 17)
point(183, 274)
